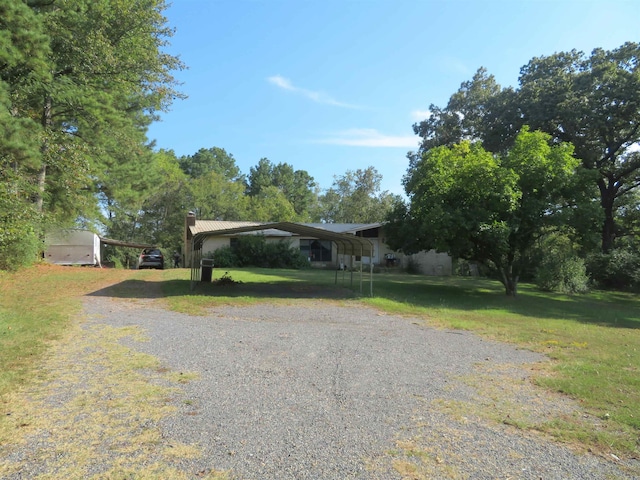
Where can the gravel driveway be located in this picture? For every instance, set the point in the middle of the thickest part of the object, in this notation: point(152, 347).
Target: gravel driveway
point(316, 390)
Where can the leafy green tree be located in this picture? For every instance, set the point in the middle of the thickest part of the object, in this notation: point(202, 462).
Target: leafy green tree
point(24, 49)
point(260, 176)
point(80, 80)
point(131, 187)
point(590, 101)
point(594, 103)
point(152, 209)
point(271, 205)
point(110, 76)
point(208, 160)
point(480, 110)
point(23, 52)
point(355, 197)
point(106, 77)
point(215, 197)
point(297, 186)
point(484, 207)
point(162, 221)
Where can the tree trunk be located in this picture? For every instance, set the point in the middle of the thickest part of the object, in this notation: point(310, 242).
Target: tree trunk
point(42, 177)
point(608, 194)
point(509, 280)
point(44, 149)
point(608, 231)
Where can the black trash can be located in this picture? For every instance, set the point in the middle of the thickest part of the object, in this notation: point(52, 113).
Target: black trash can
point(206, 267)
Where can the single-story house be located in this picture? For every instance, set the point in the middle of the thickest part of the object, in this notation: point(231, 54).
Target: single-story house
point(325, 244)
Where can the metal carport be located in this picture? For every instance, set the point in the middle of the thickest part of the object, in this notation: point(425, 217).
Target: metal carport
point(346, 244)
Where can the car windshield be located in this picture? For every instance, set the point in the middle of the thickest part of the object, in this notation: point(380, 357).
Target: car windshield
point(151, 251)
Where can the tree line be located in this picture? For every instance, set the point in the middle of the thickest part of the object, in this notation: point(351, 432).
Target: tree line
point(80, 82)
point(535, 181)
point(210, 184)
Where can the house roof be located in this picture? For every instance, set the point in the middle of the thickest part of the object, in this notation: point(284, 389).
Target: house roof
point(218, 225)
point(343, 227)
point(347, 243)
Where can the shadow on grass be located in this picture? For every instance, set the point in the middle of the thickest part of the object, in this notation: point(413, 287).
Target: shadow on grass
point(258, 290)
point(611, 309)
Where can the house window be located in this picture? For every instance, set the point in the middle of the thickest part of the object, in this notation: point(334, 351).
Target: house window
point(316, 250)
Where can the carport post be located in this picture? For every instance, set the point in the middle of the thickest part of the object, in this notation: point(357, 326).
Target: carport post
point(371, 274)
point(361, 262)
point(351, 266)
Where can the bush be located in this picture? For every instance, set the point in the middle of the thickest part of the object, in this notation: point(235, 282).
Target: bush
point(19, 251)
point(254, 251)
point(618, 269)
point(560, 269)
point(282, 255)
point(567, 275)
point(223, 257)
point(20, 226)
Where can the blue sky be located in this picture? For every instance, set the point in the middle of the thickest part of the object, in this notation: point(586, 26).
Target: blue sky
point(329, 86)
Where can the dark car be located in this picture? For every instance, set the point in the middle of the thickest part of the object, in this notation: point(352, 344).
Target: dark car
point(151, 258)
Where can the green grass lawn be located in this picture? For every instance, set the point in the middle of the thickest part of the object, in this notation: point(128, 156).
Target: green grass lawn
point(594, 339)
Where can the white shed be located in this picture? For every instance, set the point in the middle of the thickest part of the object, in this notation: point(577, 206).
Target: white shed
point(72, 247)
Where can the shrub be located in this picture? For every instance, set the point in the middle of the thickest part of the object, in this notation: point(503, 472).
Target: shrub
point(560, 269)
point(567, 275)
point(618, 269)
point(255, 251)
point(223, 257)
point(17, 251)
point(20, 227)
point(282, 255)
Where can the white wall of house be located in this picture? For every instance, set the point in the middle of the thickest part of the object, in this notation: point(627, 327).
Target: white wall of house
point(430, 262)
point(211, 244)
point(376, 252)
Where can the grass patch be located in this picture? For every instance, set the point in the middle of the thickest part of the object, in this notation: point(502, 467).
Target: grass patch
point(593, 339)
point(255, 285)
point(36, 307)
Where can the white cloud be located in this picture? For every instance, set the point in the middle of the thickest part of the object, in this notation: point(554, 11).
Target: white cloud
point(318, 97)
point(419, 115)
point(281, 82)
point(368, 137)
